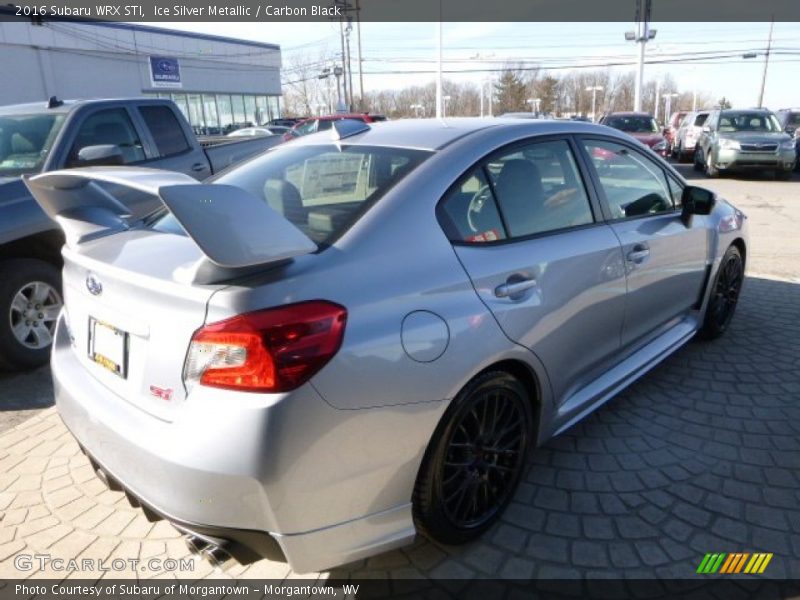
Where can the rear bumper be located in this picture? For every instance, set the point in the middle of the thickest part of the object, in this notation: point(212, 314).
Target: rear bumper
point(252, 468)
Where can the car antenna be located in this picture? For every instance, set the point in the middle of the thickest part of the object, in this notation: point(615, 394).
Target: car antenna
point(54, 102)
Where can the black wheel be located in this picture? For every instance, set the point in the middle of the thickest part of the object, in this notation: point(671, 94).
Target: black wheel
point(783, 175)
point(724, 295)
point(698, 160)
point(30, 301)
point(475, 459)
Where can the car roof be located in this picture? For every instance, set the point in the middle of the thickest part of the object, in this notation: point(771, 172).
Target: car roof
point(629, 113)
point(435, 134)
point(67, 106)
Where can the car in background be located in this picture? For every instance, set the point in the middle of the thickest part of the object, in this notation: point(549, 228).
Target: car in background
point(259, 131)
point(690, 129)
point(316, 124)
point(671, 128)
point(526, 115)
point(639, 125)
point(284, 122)
point(789, 119)
point(360, 335)
point(744, 140)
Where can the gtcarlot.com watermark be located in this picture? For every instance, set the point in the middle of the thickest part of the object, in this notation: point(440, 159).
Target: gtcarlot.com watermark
point(46, 562)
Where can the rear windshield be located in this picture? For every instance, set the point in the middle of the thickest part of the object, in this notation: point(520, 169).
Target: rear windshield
point(25, 141)
point(322, 189)
point(633, 124)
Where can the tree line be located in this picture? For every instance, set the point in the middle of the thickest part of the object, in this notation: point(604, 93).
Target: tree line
point(512, 90)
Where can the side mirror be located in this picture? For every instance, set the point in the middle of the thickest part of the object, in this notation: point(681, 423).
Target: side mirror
point(706, 129)
point(100, 155)
point(696, 201)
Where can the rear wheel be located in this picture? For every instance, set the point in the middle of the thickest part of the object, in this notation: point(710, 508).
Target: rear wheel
point(475, 460)
point(711, 170)
point(724, 295)
point(30, 301)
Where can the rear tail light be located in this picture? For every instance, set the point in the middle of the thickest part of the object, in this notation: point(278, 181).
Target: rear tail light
point(273, 350)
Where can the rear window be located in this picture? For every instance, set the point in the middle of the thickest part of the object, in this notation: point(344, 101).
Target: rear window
point(322, 190)
point(165, 129)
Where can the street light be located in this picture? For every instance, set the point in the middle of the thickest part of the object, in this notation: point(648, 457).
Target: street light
point(668, 105)
point(641, 36)
point(594, 89)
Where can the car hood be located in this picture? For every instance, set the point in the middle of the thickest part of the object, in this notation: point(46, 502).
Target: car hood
point(12, 190)
point(756, 136)
point(651, 139)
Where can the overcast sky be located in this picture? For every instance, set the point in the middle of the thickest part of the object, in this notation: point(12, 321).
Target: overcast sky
point(391, 50)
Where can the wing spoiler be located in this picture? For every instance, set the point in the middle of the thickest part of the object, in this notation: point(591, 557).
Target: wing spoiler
point(232, 228)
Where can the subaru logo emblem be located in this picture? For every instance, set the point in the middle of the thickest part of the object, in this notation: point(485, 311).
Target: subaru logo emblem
point(93, 285)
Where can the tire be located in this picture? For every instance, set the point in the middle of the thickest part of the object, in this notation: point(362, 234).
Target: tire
point(710, 170)
point(698, 160)
point(462, 489)
point(724, 295)
point(783, 175)
point(26, 284)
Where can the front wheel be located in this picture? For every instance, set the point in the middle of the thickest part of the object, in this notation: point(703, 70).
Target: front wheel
point(711, 170)
point(783, 175)
point(30, 301)
point(475, 460)
point(724, 295)
point(698, 160)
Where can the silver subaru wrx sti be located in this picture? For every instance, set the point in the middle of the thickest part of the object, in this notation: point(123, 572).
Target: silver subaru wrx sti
point(353, 338)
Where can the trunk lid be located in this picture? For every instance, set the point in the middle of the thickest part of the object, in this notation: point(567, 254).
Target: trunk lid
point(134, 295)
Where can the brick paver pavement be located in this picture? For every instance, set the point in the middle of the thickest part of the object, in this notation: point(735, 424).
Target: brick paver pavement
point(701, 455)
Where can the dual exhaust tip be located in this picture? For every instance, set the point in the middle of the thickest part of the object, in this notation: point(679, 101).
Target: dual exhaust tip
point(214, 554)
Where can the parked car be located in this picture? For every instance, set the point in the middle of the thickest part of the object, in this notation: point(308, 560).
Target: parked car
point(401, 311)
point(671, 128)
point(284, 122)
point(259, 131)
point(316, 124)
point(686, 138)
point(42, 137)
point(744, 140)
point(641, 126)
point(789, 119)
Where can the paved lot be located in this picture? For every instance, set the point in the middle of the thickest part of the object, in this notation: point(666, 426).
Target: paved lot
point(699, 456)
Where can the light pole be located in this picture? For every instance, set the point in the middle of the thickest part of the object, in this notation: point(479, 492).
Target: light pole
point(766, 64)
point(594, 89)
point(337, 72)
point(641, 36)
point(668, 105)
point(445, 100)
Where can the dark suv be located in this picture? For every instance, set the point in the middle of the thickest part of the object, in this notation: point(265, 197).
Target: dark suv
point(789, 119)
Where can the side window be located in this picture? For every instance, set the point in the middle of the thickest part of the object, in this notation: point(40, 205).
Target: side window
point(165, 129)
point(324, 125)
point(700, 120)
point(307, 127)
point(538, 189)
point(633, 185)
point(112, 126)
point(469, 212)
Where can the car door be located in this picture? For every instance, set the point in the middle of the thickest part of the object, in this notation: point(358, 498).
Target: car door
point(665, 260)
point(528, 233)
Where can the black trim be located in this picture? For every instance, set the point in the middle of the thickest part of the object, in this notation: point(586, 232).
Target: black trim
point(244, 545)
point(703, 289)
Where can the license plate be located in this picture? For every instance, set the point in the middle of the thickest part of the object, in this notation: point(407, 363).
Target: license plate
point(108, 347)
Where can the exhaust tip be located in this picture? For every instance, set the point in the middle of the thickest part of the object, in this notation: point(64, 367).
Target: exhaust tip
point(195, 544)
point(217, 557)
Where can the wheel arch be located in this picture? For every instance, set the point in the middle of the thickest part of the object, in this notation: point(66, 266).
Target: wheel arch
point(45, 245)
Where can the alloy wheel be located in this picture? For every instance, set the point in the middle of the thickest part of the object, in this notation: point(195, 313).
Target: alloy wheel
point(726, 292)
point(34, 311)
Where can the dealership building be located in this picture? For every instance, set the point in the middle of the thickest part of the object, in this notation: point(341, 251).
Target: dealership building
point(219, 83)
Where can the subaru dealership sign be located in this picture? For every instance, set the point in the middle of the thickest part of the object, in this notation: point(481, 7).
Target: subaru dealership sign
point(165, 71)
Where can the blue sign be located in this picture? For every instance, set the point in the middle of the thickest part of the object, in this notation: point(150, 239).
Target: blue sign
point(165, 71)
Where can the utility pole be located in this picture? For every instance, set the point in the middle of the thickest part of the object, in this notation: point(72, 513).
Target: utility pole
point(344, 62)
point(594, 89)
point(641, 36)
point(347, 31)
point(766, 64)
point(439, 100)
point(655, 116)
point(360, 62)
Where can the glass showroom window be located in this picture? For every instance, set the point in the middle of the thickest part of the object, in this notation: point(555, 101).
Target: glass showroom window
point(210, 110)
point(250, 109)
point(196, 113)
point(262, 112)
point(274, 107)
point(238, 111)
point(225, 112)
point(183, 104)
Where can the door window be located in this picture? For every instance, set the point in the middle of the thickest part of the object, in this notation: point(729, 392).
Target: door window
point(469, 212)
point(634, 186)
point(165, 129)
point(112, 126)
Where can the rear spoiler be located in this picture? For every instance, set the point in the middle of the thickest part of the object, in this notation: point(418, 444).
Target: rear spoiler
point(233, 228)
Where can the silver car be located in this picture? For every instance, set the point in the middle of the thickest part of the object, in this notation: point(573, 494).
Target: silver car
point(744, 140)
point(357, 337)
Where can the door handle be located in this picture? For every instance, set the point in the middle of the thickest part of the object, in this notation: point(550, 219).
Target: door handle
point(638, 253)
point(509, 290)
point(197, 167)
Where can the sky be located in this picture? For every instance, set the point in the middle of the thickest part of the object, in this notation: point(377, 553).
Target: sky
point(391, 50)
